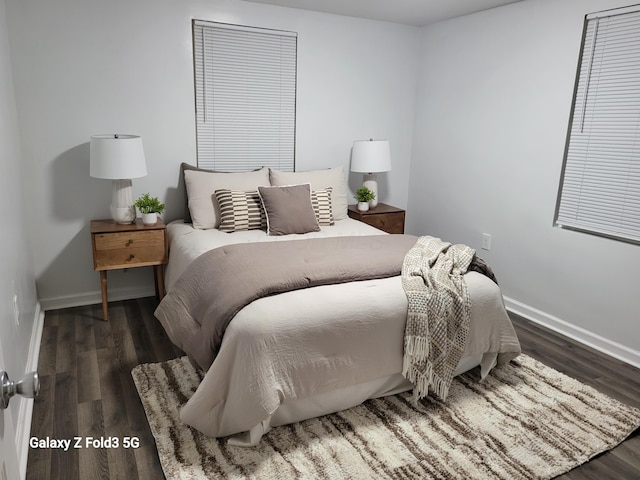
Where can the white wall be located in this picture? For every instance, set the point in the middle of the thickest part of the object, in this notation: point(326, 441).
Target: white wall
point(18, 302)
point(494, 93)
point(83, 68)
point(492, 113)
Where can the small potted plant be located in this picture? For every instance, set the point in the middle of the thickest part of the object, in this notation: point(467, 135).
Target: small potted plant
point(364, 196)
point(149, 207)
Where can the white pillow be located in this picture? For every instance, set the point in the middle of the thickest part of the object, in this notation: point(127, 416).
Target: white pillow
point(201, 187)
point(331, 177)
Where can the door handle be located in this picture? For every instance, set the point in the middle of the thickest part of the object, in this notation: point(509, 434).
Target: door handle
point(28, 386)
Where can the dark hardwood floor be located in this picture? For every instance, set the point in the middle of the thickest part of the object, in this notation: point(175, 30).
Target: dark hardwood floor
point(87, 391)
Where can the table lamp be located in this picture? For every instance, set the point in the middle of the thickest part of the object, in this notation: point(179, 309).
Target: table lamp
point(369, 157)
point(119, 158)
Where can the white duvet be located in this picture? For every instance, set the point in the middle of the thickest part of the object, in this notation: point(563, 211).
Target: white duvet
point(310, 352)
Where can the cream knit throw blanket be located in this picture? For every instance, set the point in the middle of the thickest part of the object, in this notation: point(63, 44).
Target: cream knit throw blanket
point(438, 314)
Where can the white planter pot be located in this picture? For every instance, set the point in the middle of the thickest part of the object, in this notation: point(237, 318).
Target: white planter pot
point(149, 218)
point(363, 206)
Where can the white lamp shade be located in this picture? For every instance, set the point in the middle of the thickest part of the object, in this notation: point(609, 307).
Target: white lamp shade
point(117, 157)
point(370, 156)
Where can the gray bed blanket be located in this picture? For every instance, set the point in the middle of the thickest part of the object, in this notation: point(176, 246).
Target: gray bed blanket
point(251, 271)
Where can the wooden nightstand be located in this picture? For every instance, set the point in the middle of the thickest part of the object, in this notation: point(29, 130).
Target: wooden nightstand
point(385, 217)
point(128, 246)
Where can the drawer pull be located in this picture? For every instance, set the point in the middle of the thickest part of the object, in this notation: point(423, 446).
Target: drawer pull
point(129, 243)
point(382, 222)
point(131, 257)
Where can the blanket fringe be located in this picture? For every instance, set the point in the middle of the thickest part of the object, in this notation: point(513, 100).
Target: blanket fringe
point(424, 380)
point(416, 352)
point(415, 346)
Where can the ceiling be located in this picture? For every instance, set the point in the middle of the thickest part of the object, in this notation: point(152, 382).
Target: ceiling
point(410, 12)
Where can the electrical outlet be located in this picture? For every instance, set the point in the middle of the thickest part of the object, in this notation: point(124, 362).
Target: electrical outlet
point(486, 241)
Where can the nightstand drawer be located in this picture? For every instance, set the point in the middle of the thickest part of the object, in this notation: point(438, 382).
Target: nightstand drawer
point(115, 241)
point(388, 222)
point(125, 257)
point(383, 217)
point(125, 249)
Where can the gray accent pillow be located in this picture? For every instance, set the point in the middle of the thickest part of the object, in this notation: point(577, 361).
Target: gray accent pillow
point(288, 209)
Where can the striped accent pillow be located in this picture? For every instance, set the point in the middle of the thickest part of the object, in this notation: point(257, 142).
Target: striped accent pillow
point(240, 211)
point(321, 202)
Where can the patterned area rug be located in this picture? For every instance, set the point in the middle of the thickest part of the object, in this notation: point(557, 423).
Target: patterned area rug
point(526, 421)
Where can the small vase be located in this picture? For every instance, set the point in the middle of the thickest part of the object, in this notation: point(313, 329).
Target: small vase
point(149, 218)
point(363, 206)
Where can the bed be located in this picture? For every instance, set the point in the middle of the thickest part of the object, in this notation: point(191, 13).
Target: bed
point(311, 351)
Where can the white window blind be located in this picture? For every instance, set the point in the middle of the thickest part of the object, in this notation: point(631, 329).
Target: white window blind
point(600, 184)
point(245, 82)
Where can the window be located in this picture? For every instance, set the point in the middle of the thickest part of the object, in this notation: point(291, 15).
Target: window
point(245, 87)
point(600, 184)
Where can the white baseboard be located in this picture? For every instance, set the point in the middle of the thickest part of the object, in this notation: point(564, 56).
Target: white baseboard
point(25, 412)
point(91, 298)
point(609, 347)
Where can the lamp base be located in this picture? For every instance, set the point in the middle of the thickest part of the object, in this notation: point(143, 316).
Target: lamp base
point(371, 182)
point(122, 208)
